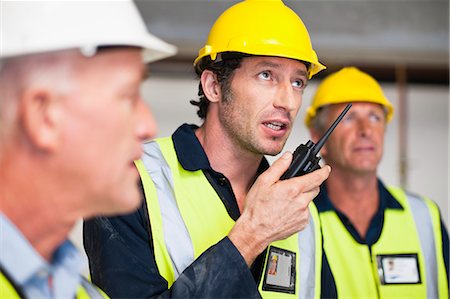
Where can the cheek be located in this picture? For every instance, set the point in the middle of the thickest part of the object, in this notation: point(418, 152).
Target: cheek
point(298, 105)
point(108, 135)
point(381, 143)
point(119, 119)
point(378, 134)
point(338, 140)
point(299, 99)
point(295, 112)
point(255, 95)
point(241, 105)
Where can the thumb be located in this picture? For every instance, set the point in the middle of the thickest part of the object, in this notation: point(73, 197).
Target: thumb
point(277, 169)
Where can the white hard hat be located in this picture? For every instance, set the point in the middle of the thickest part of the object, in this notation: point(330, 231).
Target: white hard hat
point(43, 26)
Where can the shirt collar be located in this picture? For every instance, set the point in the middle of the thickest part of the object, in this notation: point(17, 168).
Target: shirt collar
point(188, 148)
point(190, 152)
point(22, 262)
point(387, 201)
point(19, 258)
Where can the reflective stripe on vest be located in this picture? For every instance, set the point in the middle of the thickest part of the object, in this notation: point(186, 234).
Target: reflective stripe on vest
point(354, 265)
point(187, 217)
point(308, 246)
point(428, 226)
point(85, 291)
point(88, 290)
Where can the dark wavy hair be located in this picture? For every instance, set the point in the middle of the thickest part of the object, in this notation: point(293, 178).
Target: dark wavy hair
point(224, 70)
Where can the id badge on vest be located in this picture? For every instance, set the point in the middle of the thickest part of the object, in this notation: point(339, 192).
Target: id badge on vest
point(399, 269)
point(280, 272)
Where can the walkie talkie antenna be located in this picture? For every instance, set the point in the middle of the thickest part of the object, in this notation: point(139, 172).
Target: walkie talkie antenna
point(305, 158)
point(321, 142)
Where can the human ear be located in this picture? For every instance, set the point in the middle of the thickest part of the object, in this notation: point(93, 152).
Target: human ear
point(210, 85)
point(39, 114)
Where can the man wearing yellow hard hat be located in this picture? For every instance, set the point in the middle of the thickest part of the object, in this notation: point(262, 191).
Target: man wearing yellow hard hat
point(379, 241)
point(215, 214)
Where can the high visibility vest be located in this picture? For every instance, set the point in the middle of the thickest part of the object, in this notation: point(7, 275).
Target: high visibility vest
point(187, 217)
point(85, 291)
point(414, 232)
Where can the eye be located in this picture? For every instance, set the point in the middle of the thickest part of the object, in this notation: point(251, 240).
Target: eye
point(265, 75)
point(348, 118)
point(375, 118)
point(299, 84)
point(132, 96)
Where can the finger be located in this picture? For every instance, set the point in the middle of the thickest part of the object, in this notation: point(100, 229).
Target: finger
point(312, 180)
point(308, 196)
point(274, 172)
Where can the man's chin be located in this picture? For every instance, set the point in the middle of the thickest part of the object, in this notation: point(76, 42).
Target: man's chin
point(128, 203)
point(132, 204)
point(274, 150)
point(366, 171)
point(272, 153)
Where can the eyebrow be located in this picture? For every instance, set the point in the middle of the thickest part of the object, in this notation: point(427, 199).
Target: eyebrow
point(277, 65)
point(268, 64)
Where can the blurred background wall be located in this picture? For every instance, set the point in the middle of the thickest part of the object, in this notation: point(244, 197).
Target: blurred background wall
point(403, 44)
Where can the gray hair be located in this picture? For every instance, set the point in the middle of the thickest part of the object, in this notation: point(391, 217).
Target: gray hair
point(54, 70)
point(319, 122)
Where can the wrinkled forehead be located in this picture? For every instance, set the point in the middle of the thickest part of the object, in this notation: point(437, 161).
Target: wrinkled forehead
point(276, 62)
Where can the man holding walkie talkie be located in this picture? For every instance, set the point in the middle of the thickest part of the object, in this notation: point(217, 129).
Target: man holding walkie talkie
point(217, 221)
point(379, 242)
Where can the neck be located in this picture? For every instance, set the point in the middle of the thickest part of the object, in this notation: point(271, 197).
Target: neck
point(356, 195)
point(29, 201)
point(238, 165)
point(38, 228)
point(351, 186)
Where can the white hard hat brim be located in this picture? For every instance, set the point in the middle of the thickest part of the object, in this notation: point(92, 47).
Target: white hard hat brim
point(156, 49)
point(45, 26)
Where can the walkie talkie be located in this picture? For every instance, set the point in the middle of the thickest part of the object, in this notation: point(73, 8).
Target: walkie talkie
point(305, 159)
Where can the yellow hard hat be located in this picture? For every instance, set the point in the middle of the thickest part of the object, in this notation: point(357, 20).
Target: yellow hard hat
point(348, 85)
point(261, 27)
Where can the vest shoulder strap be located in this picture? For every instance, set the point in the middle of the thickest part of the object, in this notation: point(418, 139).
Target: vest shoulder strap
point(87, 290)
point(427, 219)
point(8, 289)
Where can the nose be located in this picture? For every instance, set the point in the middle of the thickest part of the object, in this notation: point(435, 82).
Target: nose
point(287, 98)
point(364, 128)
point(146, 127)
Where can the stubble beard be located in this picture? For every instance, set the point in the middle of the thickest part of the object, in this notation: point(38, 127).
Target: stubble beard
point(233, 119)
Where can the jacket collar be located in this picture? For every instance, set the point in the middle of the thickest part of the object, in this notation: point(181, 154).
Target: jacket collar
point(387, 201)
point(190, 152)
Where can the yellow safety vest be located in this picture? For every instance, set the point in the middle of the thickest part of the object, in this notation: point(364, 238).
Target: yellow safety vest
point(85, 290)
point(357, 269)
point(198, 220)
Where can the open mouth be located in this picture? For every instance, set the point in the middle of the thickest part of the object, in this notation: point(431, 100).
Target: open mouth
point(276, 126)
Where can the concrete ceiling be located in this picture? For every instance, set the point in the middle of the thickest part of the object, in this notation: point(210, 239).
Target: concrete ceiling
point(380, 35)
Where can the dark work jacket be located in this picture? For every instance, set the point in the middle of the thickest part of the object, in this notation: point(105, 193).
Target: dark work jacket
point(121, 257)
